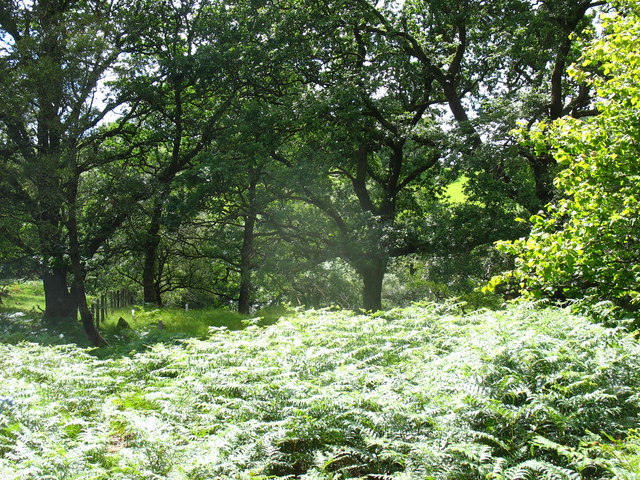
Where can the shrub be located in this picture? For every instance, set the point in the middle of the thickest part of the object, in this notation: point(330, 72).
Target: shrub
point(586, 245)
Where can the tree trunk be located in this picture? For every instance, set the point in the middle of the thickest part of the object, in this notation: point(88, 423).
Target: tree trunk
point(78, 272)
point(149, 271)
point(244, 299)
point(543, 173)
point(157, 287)
point(86, 317)
point(59, 303)
point(247, 252)
point(372, 275)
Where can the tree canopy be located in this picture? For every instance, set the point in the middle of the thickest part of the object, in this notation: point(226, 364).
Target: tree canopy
point(250, 152)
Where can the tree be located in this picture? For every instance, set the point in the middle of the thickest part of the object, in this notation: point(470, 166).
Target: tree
point(471, 51)
point(185, 85)
point(55, 56)
point(395, 94)
point(586, 244)
point(364, 136)
point(333, 125)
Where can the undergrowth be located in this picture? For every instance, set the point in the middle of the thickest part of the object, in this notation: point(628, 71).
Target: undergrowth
point(419, 393)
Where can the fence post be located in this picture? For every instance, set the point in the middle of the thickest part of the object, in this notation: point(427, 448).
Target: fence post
point(93, 314)
point(103, 309)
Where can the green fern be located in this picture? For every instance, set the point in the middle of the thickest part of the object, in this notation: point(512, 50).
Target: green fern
point(420, 393)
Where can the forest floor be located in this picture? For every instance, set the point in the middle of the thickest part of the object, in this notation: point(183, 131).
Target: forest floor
point(147, 324)
point(424, 392)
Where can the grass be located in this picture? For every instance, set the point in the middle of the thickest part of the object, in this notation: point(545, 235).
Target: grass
point(455, 191)
point(193, 322)
point(147, 324)
point(420, 393)
point(25, 297)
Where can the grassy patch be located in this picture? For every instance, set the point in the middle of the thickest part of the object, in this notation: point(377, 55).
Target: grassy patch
point(149, 325)
point(420, 393)
point(193, 322)
point(25, 297)
point(22, 310)
point(455, 191)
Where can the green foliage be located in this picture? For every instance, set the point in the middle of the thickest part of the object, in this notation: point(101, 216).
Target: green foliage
point(439, 278)
point(407, 394)
point(586, 244)
point(623, 455)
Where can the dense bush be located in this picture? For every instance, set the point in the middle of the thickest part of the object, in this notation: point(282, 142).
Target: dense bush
point(420, 393)
point(586, 245)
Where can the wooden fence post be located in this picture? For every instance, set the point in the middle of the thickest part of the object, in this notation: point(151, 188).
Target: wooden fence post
point(103, 307)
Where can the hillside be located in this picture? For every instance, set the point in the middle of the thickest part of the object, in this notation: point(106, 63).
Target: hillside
point(419, 393)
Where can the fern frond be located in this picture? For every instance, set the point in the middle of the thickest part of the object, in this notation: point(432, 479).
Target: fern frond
point(540, 470)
